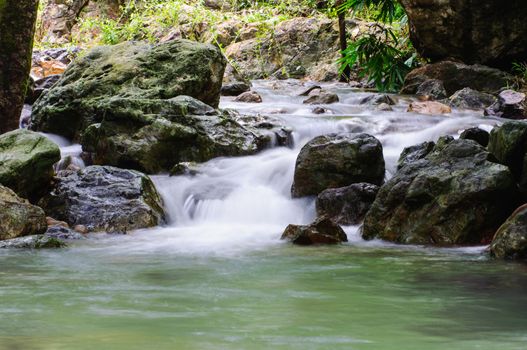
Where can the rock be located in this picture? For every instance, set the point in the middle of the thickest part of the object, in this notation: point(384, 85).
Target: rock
point(309, 90)
point(52, 222)
point(333, 161)
point(508, 143)
point(218, 5)
point(235, 88)
point(429, 107)
point(384, 107)
point(26, 162)
point(249, 97)
point(18, 217)
point(40, 86)
point(456, 76)
point(431, 89)
point(184, 169)
point(510, 241)
point(322, 231)
point(453, 196)
point(319, 97)
point(491, 33)
point(476, 134)
point(346, 205)
point(58, 18)
point(299, 47)
point(319, 110)
point(63, 233)
point(471, 99)
point(378, 99)
point(414, 153)
point(33, 242)
point(80, 229)
point(98, 83)
point(105, 199)
point(510, 105)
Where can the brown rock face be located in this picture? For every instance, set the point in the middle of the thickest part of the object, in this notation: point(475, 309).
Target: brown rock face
point(490, 32)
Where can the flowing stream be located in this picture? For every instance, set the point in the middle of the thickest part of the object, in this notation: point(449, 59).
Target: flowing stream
point(218, 276)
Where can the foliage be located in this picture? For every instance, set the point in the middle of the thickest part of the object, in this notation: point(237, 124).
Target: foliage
point(384, 53)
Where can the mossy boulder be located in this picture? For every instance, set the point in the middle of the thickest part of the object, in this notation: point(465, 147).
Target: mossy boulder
point(337, 160)
point(510, 241)
point(18, 217)
point(26, 162)
point(322, 231)
point(131, 70)
point(452, 196)
point(508, 143)
point(105, 199)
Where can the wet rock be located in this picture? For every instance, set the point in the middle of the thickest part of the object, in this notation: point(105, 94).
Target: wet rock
point(53, 222)
point(322, 231)
point(346, 205)
point(490, 32)
point(456, 76)
point(63, 233)
point(510, 241)
point(33, 242)
point(476, 134)
point(249, 97)
point(378, 99)
point(235, 88)
point(18, 217)
point(319, 97)
point(309, 90)
point(412, 154)
point(429, 107)
point(508, 143)
point(319, 110)
point(471, 99)
point(105, 199)
point(96, 85)
point(384, 107)
point(510, 105)
point(453, 196)
point(431, 89)
point(333, 161)
point(26, 162)
point(184, 169)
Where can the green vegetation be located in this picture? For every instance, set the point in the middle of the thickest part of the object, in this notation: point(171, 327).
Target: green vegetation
point(384, 54)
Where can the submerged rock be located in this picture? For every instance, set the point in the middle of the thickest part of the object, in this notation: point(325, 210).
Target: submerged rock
point(453, 196)
point(146, 75)
point(346, 205)
point(26, 162)
point(105, 199)
point(322, 231)
point(18, 217)
point(33, 242)
point(456, 76)
point(510, 241)
point(333, 161)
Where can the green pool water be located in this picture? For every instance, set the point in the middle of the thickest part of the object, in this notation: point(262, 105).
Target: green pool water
point(101, 295)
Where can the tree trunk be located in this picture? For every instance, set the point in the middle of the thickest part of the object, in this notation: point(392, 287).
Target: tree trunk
point(346, 74)
point(17, 27)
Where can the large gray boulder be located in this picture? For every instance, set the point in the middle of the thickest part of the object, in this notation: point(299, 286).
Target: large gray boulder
point(490, 32)
point(337, 160)
point(26, 162)
point(104, 198)
point(452, 196)
point(19, 218)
